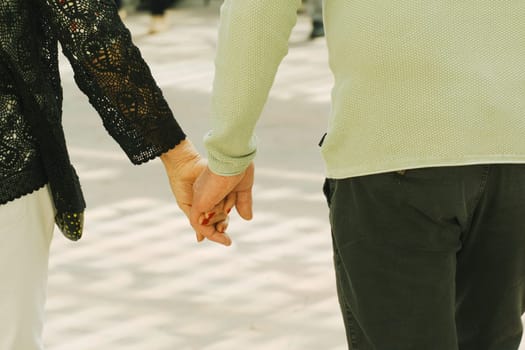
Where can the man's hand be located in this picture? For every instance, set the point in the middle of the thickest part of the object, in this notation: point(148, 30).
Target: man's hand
point(212, 191)
point(183, 165)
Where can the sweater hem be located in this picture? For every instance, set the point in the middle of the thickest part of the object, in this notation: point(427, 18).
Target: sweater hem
point(22, 184)
point(334, 172)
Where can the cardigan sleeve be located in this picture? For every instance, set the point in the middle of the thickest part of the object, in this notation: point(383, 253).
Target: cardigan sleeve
point(110, 70)
point(253, 40)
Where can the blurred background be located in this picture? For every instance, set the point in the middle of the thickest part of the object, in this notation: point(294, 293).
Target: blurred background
point(138, 280)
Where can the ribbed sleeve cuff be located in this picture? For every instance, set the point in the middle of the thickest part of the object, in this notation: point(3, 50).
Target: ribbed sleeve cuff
point(229, 156)
point(228, 166)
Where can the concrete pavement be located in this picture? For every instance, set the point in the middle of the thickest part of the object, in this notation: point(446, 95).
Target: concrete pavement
point(139, 281)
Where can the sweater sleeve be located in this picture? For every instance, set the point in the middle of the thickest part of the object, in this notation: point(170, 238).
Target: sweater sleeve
point(253, 40)
point(110, 70)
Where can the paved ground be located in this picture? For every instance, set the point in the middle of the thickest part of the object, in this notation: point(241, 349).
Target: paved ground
point(138, 280)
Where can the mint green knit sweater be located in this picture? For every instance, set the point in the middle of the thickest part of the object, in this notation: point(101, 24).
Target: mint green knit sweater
point(418, 83)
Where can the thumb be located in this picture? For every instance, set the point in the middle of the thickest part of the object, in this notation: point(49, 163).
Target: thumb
point(244, 194)
point(244, 204)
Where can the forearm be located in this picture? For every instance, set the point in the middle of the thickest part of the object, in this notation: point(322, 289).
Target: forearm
point(110, 70)
point(253, 40)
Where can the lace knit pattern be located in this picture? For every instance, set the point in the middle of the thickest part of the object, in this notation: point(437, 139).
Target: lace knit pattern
point(108, 69)
point(111, 71)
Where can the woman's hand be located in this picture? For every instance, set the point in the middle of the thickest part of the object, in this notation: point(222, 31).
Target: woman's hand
point(183, 166)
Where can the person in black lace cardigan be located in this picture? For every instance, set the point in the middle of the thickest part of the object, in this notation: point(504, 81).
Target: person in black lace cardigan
point(38, 184)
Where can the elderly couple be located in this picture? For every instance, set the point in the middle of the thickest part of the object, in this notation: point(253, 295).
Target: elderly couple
point(425, 154)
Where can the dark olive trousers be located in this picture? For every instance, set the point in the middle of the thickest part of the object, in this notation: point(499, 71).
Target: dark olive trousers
point(431, 259)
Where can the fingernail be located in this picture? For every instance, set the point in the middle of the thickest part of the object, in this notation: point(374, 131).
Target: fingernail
point(205, 222)
point(210, 215)
point(228, 211)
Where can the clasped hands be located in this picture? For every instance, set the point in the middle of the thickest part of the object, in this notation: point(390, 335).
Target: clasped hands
point(205, 197)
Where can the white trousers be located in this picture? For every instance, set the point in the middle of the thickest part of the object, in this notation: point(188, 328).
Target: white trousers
point(26, 230)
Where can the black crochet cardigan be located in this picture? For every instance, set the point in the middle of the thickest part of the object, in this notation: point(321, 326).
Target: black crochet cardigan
point(108, 69)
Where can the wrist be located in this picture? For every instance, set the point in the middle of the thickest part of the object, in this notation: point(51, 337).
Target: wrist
point(180, 155)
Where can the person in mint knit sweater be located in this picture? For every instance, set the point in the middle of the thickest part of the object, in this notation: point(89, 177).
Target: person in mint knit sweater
point(425, 158)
